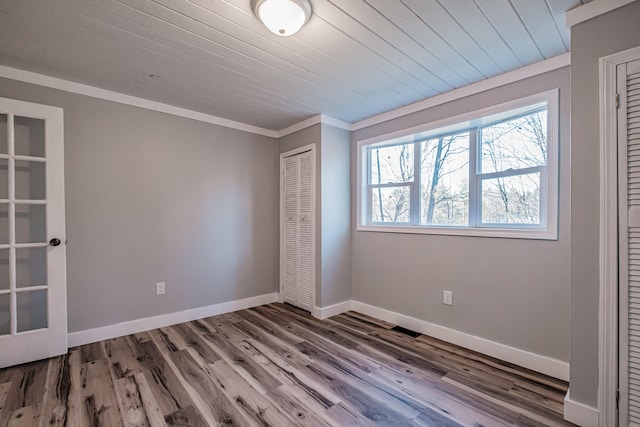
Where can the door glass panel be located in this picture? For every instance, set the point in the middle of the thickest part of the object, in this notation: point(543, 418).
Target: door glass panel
point(32, 310)
point(31, 267)
point(4, 223)
point(3, 134)
point(30, 180)
point(4, 178)
point(4, 269)
point(5, 315)
point(30, 223)
point(29, 136)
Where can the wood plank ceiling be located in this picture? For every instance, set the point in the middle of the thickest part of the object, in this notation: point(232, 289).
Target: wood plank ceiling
point(354, 59)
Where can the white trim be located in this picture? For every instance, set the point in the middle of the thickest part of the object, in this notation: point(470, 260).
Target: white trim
point(527, 71)
point(148, 323)
point(543, 364)
point(579, 413)
point(108, 95)
point(591, 10)
point(608, 248)
point(511, 233)
point(331, 310)
point(522, 73)
point(549, 228)
point(546, 365)
point(314, 120)
point(296, 151)
point(337, 123)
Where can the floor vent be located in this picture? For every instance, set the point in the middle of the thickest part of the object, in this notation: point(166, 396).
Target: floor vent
point(406, 331)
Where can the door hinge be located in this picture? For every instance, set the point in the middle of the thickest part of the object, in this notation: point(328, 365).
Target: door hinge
point(617, 101)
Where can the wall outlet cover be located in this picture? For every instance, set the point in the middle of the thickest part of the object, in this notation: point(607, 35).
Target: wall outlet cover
point(160, 288)
point(447, 297)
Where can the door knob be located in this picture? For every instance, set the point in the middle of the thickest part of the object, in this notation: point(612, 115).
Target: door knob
point(54, 242)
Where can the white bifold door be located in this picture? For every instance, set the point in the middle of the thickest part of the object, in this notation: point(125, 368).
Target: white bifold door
point(297, 274)
point(33, 314)
point(628, 88)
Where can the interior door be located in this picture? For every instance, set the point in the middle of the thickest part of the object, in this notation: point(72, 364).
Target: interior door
point(628, 88)
point(33, 315)
point(298, 273)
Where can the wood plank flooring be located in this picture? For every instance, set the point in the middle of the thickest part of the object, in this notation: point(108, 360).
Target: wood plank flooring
point(276, 365)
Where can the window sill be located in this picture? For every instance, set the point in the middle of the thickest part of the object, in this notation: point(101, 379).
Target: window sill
point(462, 231)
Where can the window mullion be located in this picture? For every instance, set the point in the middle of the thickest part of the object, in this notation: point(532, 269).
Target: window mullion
point(511, 172)
point(510, 155)
point(368, 196)
point(473, 177)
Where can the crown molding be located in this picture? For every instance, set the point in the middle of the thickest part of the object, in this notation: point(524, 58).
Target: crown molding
point(531, 70)
point(337, 123)
point(108, 95)
point(592, 9)
point(522, 73)
point(314, 120)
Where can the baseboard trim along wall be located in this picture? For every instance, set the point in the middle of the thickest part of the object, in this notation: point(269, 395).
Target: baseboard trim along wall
point(331, 310)
point(579, 413)
point(543, 364)
point(148, 323)
point(546, 365)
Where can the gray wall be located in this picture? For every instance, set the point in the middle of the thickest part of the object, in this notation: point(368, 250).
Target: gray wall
point(512, 291)
point(333, 220)
point(153, 197)
point(336, 216)
point(610, 33)
point(308, 136)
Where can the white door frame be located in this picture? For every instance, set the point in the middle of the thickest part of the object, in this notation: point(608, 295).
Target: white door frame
point(314, 219)
point(608, 278)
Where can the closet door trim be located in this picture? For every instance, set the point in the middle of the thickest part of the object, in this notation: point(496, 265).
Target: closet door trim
point(313, 218)
point(608, 264)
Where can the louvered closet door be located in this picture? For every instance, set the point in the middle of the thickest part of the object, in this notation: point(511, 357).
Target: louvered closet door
point(290, 234)
point(297, 223)
point(305, 260)
point(628, 83)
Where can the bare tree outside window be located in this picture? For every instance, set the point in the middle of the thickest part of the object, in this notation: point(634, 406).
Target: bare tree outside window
point(489, 172)
point(445, 183)
point(512, 153)
point(391, 173)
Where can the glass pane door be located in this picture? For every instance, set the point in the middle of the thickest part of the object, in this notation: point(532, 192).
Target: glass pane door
point(33, 303)
point(23, 226)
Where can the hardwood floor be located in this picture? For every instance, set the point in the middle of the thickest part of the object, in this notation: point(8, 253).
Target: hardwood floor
point(277, 366)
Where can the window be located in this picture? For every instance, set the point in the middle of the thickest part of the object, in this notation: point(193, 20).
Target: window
point(487, 173)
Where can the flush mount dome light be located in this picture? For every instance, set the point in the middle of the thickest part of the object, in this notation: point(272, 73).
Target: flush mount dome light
point(282, 17)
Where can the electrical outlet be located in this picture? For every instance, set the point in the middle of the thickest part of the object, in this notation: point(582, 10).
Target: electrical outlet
point(160, 288)
point(447, 297)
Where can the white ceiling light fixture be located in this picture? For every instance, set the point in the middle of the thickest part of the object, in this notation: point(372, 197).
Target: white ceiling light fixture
point(282, 17)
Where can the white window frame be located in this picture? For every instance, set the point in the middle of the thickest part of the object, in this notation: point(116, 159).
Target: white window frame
point(548, 228)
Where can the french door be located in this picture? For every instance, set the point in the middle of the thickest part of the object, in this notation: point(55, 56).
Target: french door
point(33, 315)
point(297, 273)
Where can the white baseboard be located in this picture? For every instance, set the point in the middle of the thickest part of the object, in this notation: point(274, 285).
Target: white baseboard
point(579, 413)
point(543, 364)
point(331, 310)
point(546, 365)
point(145, 324)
